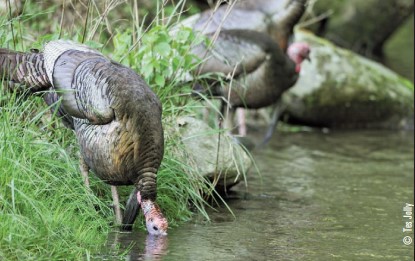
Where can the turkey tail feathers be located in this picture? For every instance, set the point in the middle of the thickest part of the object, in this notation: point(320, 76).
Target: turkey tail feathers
point(295, 11)
point(24, 68)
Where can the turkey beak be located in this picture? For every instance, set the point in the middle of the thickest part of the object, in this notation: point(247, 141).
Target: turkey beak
point(307, 57)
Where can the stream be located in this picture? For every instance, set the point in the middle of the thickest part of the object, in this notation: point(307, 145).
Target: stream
point(320, 196)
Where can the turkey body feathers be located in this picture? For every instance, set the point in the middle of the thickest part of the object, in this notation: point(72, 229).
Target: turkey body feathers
point(115, 115)
point(116, 118)
point(261, 70)
point(225, 18)
point(121, 136)
point(82, 80)
point(273, 17)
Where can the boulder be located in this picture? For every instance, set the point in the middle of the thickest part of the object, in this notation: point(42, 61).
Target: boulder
point(340, 89)
point(225, 166)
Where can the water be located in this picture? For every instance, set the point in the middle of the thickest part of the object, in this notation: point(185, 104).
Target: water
point(335, 196)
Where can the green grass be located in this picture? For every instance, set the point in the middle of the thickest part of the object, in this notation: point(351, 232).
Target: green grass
point(45, 210)
point(46, 213)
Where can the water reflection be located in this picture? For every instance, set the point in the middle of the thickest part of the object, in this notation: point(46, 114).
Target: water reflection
point(138, 246)
point(156, 247)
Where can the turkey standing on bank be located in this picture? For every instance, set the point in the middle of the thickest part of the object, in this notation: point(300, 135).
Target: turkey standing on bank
point(258, 69)
point(115, 115)
point(275, 18)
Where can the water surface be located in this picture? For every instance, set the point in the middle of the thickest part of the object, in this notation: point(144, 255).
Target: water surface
point(335, 196)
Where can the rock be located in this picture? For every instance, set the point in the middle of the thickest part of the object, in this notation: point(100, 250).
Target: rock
point(200, 144)
point(357, 25)
point(340, 89)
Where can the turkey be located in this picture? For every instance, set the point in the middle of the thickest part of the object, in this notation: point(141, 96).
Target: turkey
point(259, 70)
point(275, 18)
point(248, 56)
point(114, 114)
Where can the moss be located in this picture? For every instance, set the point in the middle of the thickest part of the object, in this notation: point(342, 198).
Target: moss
point(343, 88)
point(406, 83)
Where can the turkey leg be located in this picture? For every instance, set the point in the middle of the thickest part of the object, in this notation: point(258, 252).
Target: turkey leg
point(115, 199)
point(240, 115)
point(84, 171)
point(116, 202)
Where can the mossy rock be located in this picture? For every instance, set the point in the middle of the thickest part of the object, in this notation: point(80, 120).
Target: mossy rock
point(340, 89)
point(224, 166)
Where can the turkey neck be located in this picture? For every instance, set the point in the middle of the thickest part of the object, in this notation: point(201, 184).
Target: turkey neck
point(26, 69)
point(129, 148)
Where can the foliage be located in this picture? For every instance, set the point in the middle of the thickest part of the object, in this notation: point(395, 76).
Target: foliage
point(163, 60)
point(44, 208)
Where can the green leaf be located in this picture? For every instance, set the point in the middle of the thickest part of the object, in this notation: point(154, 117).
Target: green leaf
point(162, 48)
point(147, 70)
point(156, 64)
point(149, 38)
point(182, 35)
point(176, 63)
point(160, 81)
